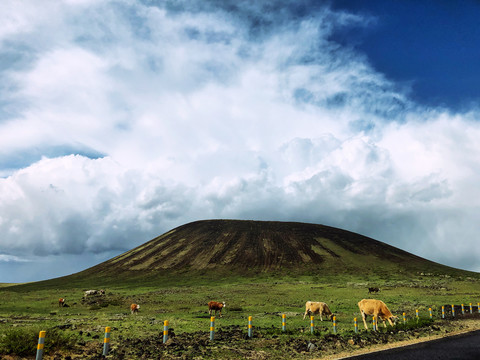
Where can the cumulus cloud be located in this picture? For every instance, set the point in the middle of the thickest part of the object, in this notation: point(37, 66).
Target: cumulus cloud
point(123, 119)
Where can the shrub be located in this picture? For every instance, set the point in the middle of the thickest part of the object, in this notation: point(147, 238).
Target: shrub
point(23, 342)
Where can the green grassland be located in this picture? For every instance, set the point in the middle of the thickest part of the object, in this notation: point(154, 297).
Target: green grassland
point(182, 300)
point(260, 269)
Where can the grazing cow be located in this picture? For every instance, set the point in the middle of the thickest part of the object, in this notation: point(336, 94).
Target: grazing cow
point(134, 308)
point(214, 306)
point(61, 302)
point(373, 290)
point(93, 292)
point(320, 308)
point(378, 309)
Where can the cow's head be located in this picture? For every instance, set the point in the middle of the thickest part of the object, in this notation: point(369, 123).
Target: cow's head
point(393, 320)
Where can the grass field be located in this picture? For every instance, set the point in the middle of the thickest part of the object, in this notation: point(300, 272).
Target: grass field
point(182, 301)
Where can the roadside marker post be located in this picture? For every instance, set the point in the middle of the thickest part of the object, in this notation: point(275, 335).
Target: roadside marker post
point(404, 319)
point(416, 314)
point(374, 324)
point(478, 307)
point(471, 309)
point(463, 310)
point(312, 325)
point(106, 341)
point(334, 324)
point(165, 331)
point(249, 326)
point(443, 312)
point(431, 315)
point(284, 322)
point(212, 327)
point(453, 310)
point(41, 345)
point(355, 325)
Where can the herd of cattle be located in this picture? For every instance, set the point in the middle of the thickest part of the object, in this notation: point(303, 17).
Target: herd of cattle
point(368, 307)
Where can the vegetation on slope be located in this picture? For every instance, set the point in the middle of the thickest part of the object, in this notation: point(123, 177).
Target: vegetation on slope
point(296, 262)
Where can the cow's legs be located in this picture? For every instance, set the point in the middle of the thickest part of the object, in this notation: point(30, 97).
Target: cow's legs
point(364, 322)
point(306, 312)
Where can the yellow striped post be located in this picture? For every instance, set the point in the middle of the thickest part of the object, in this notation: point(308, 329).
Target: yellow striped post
point(374, 323)
point(404, 318)
point(41, 345)
point(355, 325)
point(312, 325)
point(430, 311)
point(443, 312)
point(212, 327)
point(334, 324)
point(416, 314)
point(165, 331)
point(284, 322)
point(463, 310)
point(453, 310)
point(249, 326)
point(478, 307)
point(471, 309)
point(106, 341)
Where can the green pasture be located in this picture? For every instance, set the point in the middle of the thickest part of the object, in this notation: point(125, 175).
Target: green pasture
point(184, 303)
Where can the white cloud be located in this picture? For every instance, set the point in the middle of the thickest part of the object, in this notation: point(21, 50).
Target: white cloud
point(11, 258)
point(200, 115)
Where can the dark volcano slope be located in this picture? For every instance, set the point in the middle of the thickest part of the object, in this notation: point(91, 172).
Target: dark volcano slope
point(245, 247)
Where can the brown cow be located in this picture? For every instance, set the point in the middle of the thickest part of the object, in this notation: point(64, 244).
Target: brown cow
point(61, 302)
point(378, 309)
point(214, 306)
point(320, 308)
point(134, 308)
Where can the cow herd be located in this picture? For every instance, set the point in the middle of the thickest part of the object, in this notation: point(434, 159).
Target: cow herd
point(367, 307)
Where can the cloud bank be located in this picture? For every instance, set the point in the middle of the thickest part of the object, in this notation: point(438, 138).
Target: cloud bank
point(120, 120)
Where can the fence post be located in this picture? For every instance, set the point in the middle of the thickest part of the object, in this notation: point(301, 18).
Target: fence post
point(165, 331)
point(355, 325)
point(334, 324)
point(312, 325)
point(249, 326)
point(430, 311)
point(463, 310)
point(212, 327)
point(404, 319)
point(453, 310)
point(106, 341)
point(443, 312)
point(284, 322)
point(41, 345)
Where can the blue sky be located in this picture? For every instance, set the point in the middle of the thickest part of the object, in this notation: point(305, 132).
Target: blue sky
point(431, 45)
point(122, 119)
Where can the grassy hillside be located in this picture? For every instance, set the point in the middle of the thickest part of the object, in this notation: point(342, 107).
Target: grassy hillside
point(260, 269)
point(224, 249)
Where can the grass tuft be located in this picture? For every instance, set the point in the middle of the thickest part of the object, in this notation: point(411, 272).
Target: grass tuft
point(23, 341)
